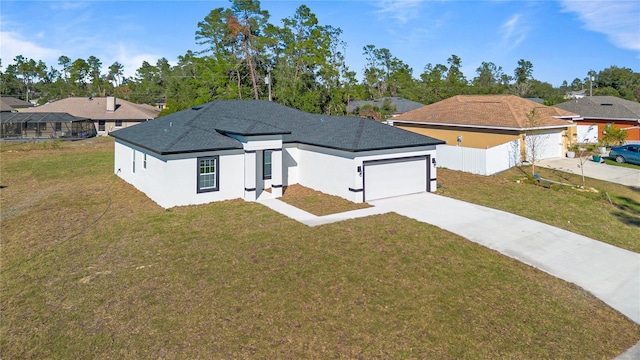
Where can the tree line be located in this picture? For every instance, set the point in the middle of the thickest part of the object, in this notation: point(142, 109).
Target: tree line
point(299, 63)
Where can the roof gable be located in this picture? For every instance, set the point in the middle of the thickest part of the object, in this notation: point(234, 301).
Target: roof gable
point(490, 111)
point(95, 108)
point(205, 128)
point(603, 107)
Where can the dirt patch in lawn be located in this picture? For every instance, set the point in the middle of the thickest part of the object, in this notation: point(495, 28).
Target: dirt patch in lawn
point(316, 202)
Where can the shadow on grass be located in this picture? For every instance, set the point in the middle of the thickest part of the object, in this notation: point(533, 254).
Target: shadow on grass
point(627, 219)
point(628, 205)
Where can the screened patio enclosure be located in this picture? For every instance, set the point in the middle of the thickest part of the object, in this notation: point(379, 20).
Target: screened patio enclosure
point(23, 125)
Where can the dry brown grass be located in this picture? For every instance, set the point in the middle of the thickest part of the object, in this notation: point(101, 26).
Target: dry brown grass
point(112, 275)
point(317, 203)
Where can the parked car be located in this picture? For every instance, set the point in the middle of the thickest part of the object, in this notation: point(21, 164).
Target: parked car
point(626, 153)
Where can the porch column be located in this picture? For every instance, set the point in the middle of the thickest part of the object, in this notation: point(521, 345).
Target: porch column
point(276, 173)
point(250, 175)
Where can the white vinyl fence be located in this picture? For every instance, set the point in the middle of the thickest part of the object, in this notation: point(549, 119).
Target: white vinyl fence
point(479, 161)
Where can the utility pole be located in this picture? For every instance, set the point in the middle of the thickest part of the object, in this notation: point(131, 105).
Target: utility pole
point(268, 80)
point(591, 79)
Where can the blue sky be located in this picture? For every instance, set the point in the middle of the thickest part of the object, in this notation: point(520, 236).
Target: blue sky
point(562, 39)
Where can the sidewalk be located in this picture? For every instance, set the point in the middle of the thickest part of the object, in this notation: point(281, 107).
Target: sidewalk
point(616, 174)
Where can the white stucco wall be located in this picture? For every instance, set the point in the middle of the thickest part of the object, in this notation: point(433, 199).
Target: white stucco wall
point(326, 170)
point(171, 180)
point(290, 160)
point(335, 172)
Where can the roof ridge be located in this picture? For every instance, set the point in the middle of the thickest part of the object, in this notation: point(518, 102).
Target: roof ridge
point(184, 133)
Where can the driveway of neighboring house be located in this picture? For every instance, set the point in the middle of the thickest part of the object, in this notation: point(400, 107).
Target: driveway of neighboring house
point(616, 174)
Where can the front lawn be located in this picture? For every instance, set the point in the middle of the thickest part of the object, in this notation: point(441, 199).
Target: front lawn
point(91, 268)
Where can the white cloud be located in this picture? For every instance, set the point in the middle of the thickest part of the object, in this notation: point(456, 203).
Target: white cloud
point(514, 31)
point(401, 10)
point(13, 44)
point(619, 20)
point(130, 60)
point(69, 5)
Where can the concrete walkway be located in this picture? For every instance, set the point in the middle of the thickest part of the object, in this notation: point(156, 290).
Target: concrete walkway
point(616, 174)
point(608, 272)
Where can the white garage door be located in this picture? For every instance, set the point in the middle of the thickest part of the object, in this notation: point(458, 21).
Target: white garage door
point(544, 146)
point(394, 177)
point(587, 133)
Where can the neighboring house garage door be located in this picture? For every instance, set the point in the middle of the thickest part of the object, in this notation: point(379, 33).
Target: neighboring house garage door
point(394, 177)
point(546, 146)
point(587, 133)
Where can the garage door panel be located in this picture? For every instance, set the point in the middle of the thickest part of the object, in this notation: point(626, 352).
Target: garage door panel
point(394, 177)
point(546, 146)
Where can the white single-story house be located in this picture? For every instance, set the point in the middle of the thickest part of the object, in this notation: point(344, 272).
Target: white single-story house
point(231, 149)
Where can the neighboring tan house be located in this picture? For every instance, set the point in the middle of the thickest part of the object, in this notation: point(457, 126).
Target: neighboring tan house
point(367, 108)
point(14, 104)
point(108, 113)
point(490, 121)
point(601, 111)
point(231, 149)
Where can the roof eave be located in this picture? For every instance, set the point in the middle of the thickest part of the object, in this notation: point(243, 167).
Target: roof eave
point(174, 152)
point(480, 126)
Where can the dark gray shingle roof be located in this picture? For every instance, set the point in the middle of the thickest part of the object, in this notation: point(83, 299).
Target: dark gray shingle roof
point(401, 105)
point(206, 127)
point(603, 107)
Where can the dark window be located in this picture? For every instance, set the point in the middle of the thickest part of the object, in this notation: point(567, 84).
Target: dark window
point(208, 174)
point(58, 126)
point(133, 167)
point(144, 160)
point(101, 124)
point(266, 164)
point(118, 123)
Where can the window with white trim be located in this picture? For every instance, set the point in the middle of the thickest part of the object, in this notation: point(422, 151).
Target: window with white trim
point(133, 162)
point(144, 160)
point(118, 123)
point(208, 174)
point(266, 164)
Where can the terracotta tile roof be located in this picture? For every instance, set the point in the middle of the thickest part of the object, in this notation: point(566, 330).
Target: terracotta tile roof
point(96, 109)
point(489, 111)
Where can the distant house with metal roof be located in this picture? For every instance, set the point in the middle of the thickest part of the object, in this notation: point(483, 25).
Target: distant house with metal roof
point(21, 125)
point(601, 111)
point(231, 149)
point(373, 108)
point(108, 113)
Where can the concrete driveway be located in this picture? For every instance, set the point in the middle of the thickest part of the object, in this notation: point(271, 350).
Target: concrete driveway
point(616, 174)
point(608, 272)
